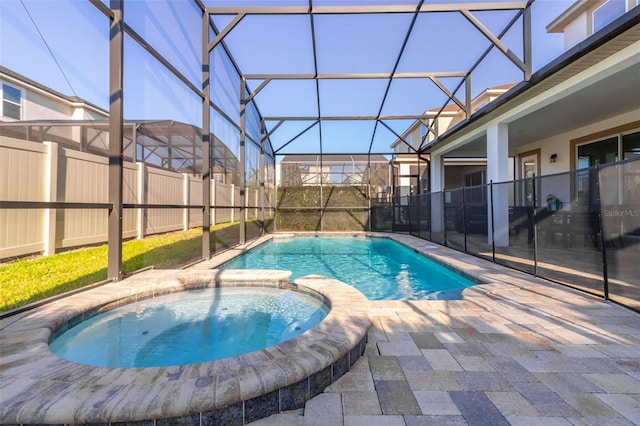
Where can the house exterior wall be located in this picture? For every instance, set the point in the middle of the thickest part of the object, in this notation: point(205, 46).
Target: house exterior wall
point(560, 144)
point(577, 30)
point(38, 107)
point(82, 113)
point(454, 174)
point(404, 182)
point(577, 22)
point(416, 137)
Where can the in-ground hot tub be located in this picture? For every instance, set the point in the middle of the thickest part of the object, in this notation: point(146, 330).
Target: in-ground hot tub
point(40, 387)
point(190, 327)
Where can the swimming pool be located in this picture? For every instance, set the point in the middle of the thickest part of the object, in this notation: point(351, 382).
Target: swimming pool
point(380, 268)
point(190, 327)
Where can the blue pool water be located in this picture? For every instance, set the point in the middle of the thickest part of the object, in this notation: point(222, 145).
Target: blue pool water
point(190, 327)
point(379, 268)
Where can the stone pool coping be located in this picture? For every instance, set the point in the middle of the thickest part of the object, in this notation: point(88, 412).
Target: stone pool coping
point(39, 387)
point(468, 266)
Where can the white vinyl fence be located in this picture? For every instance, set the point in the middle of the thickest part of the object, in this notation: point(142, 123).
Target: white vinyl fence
point(46, 172)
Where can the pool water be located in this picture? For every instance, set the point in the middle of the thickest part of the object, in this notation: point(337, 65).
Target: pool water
point(190, 327)
point(379, 268)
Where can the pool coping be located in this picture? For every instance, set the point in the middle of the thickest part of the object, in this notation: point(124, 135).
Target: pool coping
point(427, 249)
point(492, 278)
point(40, 387)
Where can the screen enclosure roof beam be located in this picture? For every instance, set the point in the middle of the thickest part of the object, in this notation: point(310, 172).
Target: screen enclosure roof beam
point(363, 9)
point(355, 76)
point(347, 118)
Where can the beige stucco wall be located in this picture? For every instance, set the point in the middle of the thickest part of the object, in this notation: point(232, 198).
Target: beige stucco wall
point(577, 30)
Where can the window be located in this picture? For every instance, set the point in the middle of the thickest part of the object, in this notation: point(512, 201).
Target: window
point(607, 13)
point(476, 180)
point(622, 146)
point(614, 148)
point(11, 102)
point(590, 155)
point(631, 145)
point(601, 152)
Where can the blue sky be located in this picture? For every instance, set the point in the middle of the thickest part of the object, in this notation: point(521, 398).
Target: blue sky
point(75, 62)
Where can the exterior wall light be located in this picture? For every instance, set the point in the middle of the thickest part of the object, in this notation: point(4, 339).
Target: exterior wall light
point(553, 158)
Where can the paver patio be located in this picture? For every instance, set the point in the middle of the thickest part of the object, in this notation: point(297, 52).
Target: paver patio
point(517, 350)
point(523, 352)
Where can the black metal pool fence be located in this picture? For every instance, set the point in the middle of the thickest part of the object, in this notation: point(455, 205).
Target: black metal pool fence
point(579, 228)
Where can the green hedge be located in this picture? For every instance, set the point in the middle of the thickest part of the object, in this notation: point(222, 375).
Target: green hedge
point(345, 208)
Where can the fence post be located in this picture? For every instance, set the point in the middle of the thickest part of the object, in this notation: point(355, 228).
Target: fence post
point(444, 217)
point(409, 214)
point(185, 201)
point(369, 203)
point(418, 213)
point(213, 210)
point(233, 202)
point(51, 195)
point(142, 199)
point(464, 221)
point(533, 224)
point(493, 227)
point(254, 215)
point(430, 218)
point(247, 203)
point(603, 241)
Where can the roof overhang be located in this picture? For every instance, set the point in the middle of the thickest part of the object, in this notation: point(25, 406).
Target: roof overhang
point(597, 79)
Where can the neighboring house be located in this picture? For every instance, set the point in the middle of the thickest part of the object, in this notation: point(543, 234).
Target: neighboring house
point(26, 100)
point(31, 111)
point(335, 169)
point(438, 120)
point(51, 115)
point(580, 110)
point(586, 17)
point(411, 175)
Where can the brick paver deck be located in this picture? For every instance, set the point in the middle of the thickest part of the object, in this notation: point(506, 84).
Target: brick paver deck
point(515, 350)
point(519, 351)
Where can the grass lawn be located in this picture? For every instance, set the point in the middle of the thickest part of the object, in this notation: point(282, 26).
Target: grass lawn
point(27, 280)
